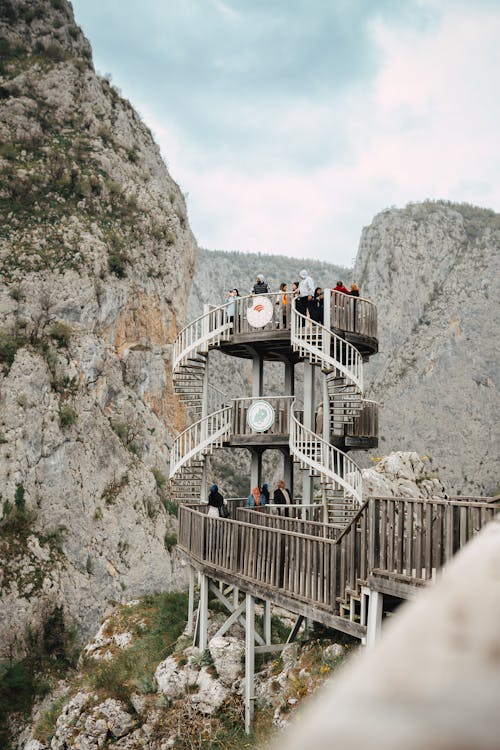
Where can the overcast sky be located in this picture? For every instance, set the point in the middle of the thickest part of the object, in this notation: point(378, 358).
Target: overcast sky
point(291, 123)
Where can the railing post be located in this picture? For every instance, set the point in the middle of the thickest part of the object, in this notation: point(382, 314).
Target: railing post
point(307, 480)
point(249, 660)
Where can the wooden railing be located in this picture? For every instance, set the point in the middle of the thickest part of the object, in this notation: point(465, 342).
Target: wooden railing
point(324, 347)
point(302, 567)
point(353, 314)
point(365, 423)
point(402, 540)
point(281, 425)
point(326, 461)
point(216, 325)
point(279, 517)
point(199, 437)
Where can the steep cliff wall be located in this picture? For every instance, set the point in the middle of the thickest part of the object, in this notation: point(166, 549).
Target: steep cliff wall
point(96, 258)
point(433, 270)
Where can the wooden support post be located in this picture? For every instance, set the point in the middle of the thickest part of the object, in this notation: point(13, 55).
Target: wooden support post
point(257, 376)
point(267, 622)
point(236, 597)
point(249, 660)
point(190, 602)
point(256, 468)
point(374, 624)
point(307, 480)
point(203, 617)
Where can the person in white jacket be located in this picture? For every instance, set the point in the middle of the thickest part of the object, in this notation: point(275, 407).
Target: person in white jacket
point(305, 298)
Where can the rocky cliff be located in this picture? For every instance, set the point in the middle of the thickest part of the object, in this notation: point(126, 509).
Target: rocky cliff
point(433, 270)
point(96, 257)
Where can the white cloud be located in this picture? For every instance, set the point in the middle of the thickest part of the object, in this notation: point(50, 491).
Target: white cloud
point(426, 127)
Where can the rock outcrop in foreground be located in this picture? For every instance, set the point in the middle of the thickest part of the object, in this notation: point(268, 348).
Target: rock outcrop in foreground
point(433, 269)
point(96, 258)
point(141, 684)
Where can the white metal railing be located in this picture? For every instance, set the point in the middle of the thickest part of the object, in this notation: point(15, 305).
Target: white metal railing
point(216, 398)
point(209, 329)
point(323, 346)
point(324, 459)
point(199, 437)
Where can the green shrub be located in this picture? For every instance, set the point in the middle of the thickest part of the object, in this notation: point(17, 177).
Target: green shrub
point(67, 416)
point(8, 151)
point(16, 293)
point(160, 479)
point(116, 263)
point(19, 497)
point(170, 541)
point(9, 344)
point(171, 507)
point(120, 429)
point(61, 333)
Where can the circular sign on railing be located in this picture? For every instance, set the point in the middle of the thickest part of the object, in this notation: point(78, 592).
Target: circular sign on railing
point(260, 416)
point(261, 312)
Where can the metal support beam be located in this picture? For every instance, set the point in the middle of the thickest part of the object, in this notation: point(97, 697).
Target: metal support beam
point(294, 631)
point(249, 660)
point(190, 621)
point(374, 623)
point(203, 614)
point(267, 621)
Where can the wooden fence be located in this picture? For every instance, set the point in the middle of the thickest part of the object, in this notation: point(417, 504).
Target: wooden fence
point(404, 540)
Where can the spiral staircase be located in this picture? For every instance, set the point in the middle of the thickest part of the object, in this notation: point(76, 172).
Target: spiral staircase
point(340, 361)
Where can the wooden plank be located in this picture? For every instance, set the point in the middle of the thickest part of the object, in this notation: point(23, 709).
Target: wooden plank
point(400, 508)
point(428, 540)
point(383, 534)
point(418, 540)
point(390, 535)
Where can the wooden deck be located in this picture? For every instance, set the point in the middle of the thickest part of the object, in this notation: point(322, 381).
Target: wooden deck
point(353, 318)
point(393, 545)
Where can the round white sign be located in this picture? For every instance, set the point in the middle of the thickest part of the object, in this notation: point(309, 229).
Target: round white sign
point(261, 312)
point(260, 416)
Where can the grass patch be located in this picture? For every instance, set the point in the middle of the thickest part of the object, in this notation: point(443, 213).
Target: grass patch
point(156, 623)
point(51, 653)
point(61, 333)
point(67, 416)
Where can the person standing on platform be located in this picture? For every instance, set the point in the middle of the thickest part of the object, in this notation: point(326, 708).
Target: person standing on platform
point(260, 286)
point(232, 295)
point(264, 494)
point(340, 288)
point(254, 498)
point(354, 290)
point(282, 496)
point(215, 501)
point(305, 299)
point(317, 308)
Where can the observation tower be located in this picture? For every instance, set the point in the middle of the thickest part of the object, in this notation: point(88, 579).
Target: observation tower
point(313, 426)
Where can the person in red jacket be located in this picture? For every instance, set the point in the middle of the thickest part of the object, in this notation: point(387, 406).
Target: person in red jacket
point(341, 288)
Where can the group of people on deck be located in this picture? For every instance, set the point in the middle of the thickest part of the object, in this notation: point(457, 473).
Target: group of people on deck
point(310, 299)
point(258, 498)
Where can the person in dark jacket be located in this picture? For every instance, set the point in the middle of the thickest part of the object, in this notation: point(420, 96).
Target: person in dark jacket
point(282, 496)
point(260, 286)
point(317, 308)
point(354, 290)
point(215, 501)
point(264, 494)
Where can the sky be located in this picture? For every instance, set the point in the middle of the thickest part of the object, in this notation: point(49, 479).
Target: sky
point(289, 124)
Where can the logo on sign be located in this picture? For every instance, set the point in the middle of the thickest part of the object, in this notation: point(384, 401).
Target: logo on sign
point(261, 312)
point(260, 416)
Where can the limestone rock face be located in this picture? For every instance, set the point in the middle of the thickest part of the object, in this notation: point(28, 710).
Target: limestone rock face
point(433, 270)
point(96, 259)
point(403, 475)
